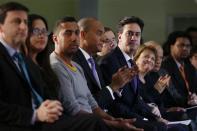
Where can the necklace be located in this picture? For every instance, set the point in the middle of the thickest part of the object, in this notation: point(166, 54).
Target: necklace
point(70, 66)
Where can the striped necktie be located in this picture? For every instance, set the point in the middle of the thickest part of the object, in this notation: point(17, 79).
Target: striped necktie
point(182, 71)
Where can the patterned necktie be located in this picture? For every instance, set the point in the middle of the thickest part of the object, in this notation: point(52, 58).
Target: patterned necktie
point(91, 60)
point(134, 81)
point(37, 99)
point(182, 71)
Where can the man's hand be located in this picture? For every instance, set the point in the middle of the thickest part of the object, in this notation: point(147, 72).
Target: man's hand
point(155, 109)
point(192, 99)
point(160, 119)
point(122, 77)
point(126, 124)
point(49, 111)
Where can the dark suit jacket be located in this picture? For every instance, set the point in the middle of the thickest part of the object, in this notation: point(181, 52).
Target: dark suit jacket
point(130, 104)
point(170, 96)
point(170, 65)
point(15, 98)
point(92, 84)
point(102, 96)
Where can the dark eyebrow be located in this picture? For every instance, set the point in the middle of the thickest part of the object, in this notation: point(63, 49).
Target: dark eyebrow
point(101, 31)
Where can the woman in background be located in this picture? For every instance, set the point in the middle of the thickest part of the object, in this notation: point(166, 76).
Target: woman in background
point(38, 50)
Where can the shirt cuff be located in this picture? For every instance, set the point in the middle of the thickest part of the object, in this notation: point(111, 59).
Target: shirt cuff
point(111, 92)
point(33, 119)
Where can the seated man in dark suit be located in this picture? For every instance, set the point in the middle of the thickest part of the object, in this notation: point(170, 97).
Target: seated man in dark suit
point(181, 71)
point(179, 68)
point(22, 101)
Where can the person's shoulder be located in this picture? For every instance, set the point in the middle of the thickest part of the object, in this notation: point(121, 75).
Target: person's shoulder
point(168, 60)
point(111, 55)
point(54, 61)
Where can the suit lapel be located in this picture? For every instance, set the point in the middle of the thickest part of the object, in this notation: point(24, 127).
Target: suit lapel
point(9, 60)
point(100, 75)
point(85, 66)
point(120, 57)
point(176, 73)
point(123, 62)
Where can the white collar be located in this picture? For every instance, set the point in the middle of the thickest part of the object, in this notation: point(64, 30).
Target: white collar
point(86, 55)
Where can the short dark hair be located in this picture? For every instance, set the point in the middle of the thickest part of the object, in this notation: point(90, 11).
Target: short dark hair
point(172, 39)
point(107, 29)
point(63, 20)
point(129, 20)
point(10, 6)
point(191, 29)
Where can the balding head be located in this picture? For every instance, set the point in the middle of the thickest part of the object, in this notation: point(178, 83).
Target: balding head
point(85, 24)
point(91, 33)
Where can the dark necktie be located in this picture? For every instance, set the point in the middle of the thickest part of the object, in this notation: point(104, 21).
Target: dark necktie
point(37, 99)
point(134, 81)
point(91, 60)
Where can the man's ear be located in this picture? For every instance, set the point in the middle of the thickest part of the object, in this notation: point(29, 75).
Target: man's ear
point(54, 37)
point(119, 36)
point(82, 34)
point(1, 27)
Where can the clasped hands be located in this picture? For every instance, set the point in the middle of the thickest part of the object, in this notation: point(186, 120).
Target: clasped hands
point(49, 111)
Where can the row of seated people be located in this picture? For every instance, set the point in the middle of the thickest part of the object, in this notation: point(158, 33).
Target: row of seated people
point(81, 88)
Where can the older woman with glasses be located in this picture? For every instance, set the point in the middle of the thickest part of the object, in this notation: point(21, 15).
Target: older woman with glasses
point(38, 49)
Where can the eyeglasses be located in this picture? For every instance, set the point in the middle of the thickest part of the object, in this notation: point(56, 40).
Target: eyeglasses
point(106, 41)
point(37, 32)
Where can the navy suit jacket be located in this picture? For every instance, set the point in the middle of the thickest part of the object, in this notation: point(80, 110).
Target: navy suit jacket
point(130, 104)
point(15, 95)
point(170, 65)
